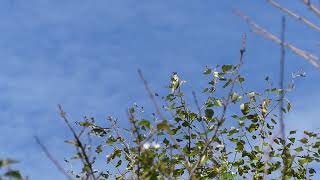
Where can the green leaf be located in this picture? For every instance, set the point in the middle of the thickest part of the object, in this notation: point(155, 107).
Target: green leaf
point(303, 161)
point(192, 116)
point(251, 95)
point(234, 97)
point(119, 177)
point(145, 123)
point(240, 145)
point(292, 140)
point(245, 109)
point(111, 140)
point(185, 124)
point(227, 83)
point(288, 106)
point(165, 141)
point(317, 145)
point(241, 79)
point(217, 102)
point(114, 154)
point(312, 171)
point(85, 124)
point(293, 132)
point(266, 78)
point(253, 127)
point(304, 140)
point(13, 174)
point(163, 126)
point(226, 68)
point(209, 113)
point(310, 134)
point(273, 121)
point(99, 149)
point(178, 172)
point(6, 162)
point(299, 149)
point(233, 131)
point(119, 163)
point(207, 71)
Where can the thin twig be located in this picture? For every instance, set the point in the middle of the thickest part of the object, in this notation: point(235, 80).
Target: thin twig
point(151, 95)
point(183, 105)
point(120, 136)
point(136, 131)
point(49, 156)
point(282, 61)
point(294, 15)
point(281, 83)
point(79, 143)
point(200, 114)
point(314, 60)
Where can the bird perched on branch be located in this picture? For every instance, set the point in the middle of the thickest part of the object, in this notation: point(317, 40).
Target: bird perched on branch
point(175, 82)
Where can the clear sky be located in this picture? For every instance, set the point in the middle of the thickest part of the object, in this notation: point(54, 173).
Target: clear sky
point(84, 55)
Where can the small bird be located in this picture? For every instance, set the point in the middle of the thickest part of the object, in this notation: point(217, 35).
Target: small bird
point(175, 82)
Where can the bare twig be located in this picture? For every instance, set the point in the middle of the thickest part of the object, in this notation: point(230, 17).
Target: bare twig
point(294, 15)
point(282, 61)
point(151, 95)
point(120, 136)
point(137, 133)
point(281, 84)
point(80, 147)
point(183, 105)
point(49, 156)
point(314, 60)
point(312, 7)
point(200, 114)
point(155, 104)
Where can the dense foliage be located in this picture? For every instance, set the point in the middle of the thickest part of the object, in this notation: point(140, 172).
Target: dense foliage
point(6, 170)
point(233, 134)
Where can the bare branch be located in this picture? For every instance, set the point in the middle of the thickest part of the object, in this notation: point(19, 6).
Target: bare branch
point(294, 15)
point(151, 95)
point(200, 114)
point(312, 7)
point(314, 60)
point(282, 59)
point(49, 156)
point(81, 148)
point(135, 130)
point(281, 83)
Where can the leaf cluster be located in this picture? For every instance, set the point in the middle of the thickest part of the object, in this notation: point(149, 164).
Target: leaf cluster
point(204, 141)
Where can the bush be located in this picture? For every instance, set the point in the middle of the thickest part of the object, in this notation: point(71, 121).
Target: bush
point(195, 141)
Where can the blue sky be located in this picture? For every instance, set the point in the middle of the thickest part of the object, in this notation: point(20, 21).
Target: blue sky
point(84, 55)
